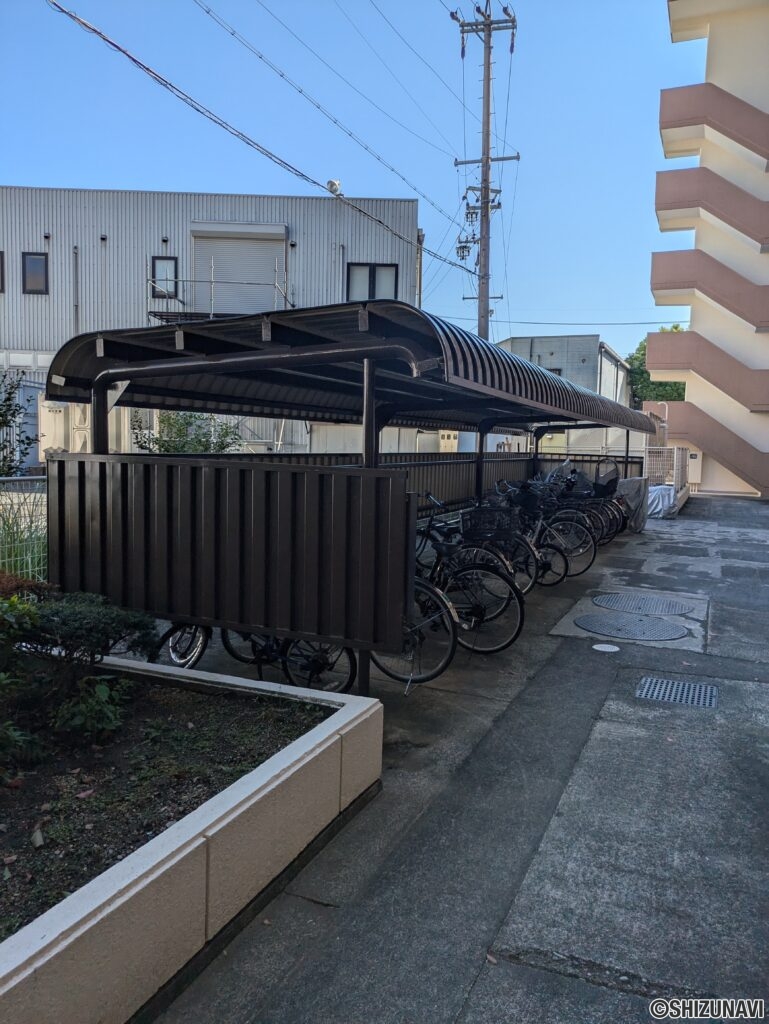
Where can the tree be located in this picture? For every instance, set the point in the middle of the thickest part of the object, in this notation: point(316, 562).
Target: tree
point(185, 433)
point(642, 387)
point(15, 442)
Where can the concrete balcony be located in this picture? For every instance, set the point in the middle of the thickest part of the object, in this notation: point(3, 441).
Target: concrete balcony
point(689, 425)
point(683, 196)
point(679, 352)
point(678, 276)
point(696, 112)
point(690, 19)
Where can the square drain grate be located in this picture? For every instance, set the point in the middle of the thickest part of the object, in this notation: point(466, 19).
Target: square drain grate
point(673, 691)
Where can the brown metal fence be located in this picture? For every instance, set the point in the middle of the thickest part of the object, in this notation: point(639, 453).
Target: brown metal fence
point(450, 476)
point(293, 550)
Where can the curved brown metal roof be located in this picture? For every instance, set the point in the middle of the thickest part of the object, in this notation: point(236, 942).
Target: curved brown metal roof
point(429, 372)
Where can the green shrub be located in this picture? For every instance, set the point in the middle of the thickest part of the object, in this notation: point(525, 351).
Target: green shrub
point(77, 631)
point(94, 711)
point(49, 692)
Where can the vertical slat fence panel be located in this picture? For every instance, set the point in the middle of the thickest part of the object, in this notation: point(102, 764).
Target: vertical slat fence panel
point(295, 550)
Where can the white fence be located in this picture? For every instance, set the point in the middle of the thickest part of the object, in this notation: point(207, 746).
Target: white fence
point(23, 526)
point(667, 466)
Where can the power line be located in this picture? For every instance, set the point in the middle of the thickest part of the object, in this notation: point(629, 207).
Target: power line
point(318, 106)
point(390, 71)
point(349, 84)
point(572, 323)
point(236, 132)
point(418, 55)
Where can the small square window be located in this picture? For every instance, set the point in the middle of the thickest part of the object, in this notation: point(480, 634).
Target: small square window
point(371, 281)
point(164, 277)
point(34, 273)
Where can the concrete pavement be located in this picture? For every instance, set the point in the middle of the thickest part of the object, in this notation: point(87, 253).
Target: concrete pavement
point(546, 847)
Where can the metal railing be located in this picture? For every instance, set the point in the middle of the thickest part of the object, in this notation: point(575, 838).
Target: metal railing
point(667, 466)
point(23, 526)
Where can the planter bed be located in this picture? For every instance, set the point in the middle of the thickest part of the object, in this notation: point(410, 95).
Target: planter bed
point(103, 951)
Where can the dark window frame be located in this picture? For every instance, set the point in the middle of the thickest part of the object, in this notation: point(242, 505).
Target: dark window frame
point(372, 269)
point(162, 293)
point(33, 291)
point(2, 272)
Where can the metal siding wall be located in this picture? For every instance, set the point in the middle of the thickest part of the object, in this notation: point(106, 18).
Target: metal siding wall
point(112, 274)
point(292, 550)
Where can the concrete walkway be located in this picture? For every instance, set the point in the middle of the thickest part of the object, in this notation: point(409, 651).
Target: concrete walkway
point(547, 847)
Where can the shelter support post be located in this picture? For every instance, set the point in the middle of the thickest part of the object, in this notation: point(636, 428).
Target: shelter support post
point(483, 432)
point(482, 435)
point(535, 461)
point(99, 420)
point(370, 459)
point(627, 451)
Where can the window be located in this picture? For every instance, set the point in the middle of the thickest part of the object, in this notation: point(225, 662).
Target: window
point(34, 273)
point(2, 272)
point(371, 281)
point(164, 280)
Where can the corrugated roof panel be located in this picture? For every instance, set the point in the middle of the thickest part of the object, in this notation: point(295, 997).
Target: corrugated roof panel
point(430, 371)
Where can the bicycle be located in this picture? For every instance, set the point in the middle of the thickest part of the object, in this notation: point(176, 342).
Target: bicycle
point(429, 638)
point(314, 664)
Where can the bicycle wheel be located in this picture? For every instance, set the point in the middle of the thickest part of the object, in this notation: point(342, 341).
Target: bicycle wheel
point(318, 665)
point(484, 552)
point(429, 638)
point(182, 646)
point(576, 541)
point(609, 525)
point(522, 561)
point(489, 607)
point(573, 515)
point(553, 565)
point(245, 647)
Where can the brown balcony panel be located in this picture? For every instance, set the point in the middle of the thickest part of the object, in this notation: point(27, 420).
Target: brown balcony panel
point(691, 269)
point(709, 105)
point(688, 423)
point(669, 351)
point(699, 187)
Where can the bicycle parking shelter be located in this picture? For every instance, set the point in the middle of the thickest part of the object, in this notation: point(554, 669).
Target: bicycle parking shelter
point(255, 542)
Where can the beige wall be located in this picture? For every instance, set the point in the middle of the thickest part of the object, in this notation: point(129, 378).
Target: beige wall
point(752, 426)
point(737, 55)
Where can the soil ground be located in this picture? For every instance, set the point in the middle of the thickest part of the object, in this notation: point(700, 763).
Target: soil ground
point(77, 814)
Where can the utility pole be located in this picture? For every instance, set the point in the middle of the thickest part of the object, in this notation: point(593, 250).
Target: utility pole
point(487, 197)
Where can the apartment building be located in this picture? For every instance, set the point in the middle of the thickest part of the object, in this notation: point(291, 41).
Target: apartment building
point(724, 357)
point(76, 260)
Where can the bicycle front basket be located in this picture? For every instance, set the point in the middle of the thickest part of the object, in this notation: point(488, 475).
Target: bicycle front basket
point(484, 523)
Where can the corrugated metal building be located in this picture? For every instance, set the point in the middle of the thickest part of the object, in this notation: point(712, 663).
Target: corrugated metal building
point(77, 260)
point(585, 360)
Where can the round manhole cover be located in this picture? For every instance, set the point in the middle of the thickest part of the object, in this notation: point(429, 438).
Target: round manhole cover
point(630, 627)
point(643, 604)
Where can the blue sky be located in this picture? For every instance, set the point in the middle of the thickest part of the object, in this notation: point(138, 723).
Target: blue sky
point(571, 246)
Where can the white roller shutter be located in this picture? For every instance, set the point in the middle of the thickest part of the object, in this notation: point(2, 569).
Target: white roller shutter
point(244, 274)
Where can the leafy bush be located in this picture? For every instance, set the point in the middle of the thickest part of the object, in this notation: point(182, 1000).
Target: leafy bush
point(95, 710)
point(49, 648)
point(21, 586)
point(77, 631)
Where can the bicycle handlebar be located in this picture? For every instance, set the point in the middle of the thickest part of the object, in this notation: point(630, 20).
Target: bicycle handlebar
point(433, 500)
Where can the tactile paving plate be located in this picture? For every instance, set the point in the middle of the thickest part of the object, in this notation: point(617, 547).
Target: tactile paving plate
point(674, 691)
point(624, 626)
point(643, 604)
